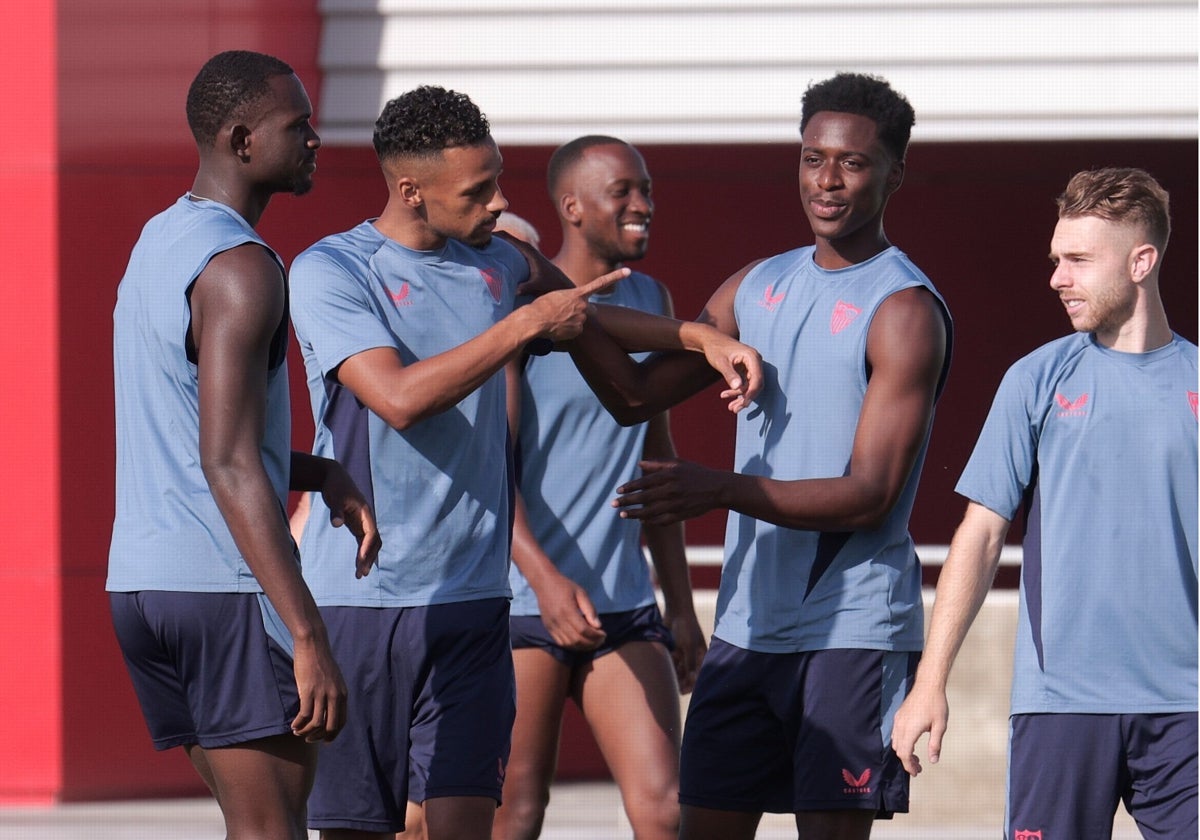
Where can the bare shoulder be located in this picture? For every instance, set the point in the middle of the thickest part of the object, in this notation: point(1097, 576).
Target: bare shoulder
point(242, 288)
point(719, 311)
point(909, 330)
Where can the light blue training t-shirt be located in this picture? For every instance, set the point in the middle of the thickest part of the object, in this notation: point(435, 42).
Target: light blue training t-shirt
point(1099, 448)
point(785, 590)
point(572, 455)
point(168, 533)
point(441, 489)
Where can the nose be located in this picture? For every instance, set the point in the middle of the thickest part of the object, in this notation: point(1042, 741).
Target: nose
point(1060, 278)
point(829, 176)
point(640, 202)
point(314, 139)
point(499, 203)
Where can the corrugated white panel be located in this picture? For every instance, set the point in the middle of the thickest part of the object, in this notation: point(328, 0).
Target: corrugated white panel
point(686, 71)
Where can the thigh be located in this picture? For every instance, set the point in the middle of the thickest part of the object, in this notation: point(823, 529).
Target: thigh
point(735, 754)
point(630, 700)
point(204, 668)
point(542, 687)
point(840, 721)
point(362, 776)
point(463, 715)
point(262, 785)
point(1161, 751)
point(1065, 774)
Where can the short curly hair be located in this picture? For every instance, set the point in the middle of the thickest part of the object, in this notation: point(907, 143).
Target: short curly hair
point(427, 120)
point(226, 85)
point(866, 96)
point(1124, 195)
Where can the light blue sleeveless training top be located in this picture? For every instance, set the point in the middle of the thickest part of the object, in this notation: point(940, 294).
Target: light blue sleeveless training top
point(785, 590)
point(168, 533)
point(572, 455)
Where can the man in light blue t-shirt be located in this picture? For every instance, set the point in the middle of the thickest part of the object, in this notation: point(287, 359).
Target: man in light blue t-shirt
point(406, 323)
point(1093, 437)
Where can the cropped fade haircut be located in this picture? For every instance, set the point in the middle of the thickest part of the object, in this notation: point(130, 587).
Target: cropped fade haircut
point(866, 96)
point(1119, 194)
point(567, 155)
point(426, 120)
point(225, 87)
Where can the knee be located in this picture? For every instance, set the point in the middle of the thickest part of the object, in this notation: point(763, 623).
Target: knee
point(520, 816)
point(653, 814)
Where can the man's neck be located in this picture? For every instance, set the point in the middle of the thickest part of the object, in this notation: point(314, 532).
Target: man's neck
point(579, 263)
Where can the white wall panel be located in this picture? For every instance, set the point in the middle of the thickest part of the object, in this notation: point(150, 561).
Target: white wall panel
point(682, 71)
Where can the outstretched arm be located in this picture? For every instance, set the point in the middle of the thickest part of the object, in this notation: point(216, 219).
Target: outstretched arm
point(695, 354)
point(905, 350)
point(965, 579)
point(237, 302)
point(407, 394)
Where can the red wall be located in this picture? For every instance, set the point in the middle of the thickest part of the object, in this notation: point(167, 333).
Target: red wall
point(96, 143)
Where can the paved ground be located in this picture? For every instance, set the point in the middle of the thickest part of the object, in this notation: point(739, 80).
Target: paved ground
point(588, 811)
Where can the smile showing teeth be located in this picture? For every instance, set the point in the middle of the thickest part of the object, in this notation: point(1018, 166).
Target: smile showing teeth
point(635, 227)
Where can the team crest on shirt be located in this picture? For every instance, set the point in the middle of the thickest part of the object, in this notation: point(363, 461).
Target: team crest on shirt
point(400, 296)
point(1026, 834)
point(1071, 407)
point(1193, 396)
point(857, 785)
point(843, 314)
point(770, 300)
point(491, 278)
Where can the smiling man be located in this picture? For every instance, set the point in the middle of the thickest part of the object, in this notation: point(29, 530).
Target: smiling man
point(585, 624)
point(819, 619)
point(1093, 436)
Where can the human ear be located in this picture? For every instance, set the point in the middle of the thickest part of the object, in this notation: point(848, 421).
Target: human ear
point(568, 208)
point(239, 141)
point(1142, 260)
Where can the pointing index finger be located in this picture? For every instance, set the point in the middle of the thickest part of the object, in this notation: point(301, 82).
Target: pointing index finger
point(603, 282)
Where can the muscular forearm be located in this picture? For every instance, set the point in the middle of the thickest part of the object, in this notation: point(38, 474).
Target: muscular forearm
point(246, 500)
point(845, 503)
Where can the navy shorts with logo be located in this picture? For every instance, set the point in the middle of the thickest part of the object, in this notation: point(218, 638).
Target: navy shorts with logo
point(791, 732)
point(1067, 772)
point(644, 624)
point(204, 668)
point(432, 703)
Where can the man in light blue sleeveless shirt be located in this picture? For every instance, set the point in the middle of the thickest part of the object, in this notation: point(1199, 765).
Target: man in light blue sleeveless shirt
point(1093, 436)
point(226, 649)
point(818, 615)
point(585, 623)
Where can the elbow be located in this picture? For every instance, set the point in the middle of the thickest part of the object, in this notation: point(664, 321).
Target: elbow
point(630, 415)
point(873, 512)
point(399, 415)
